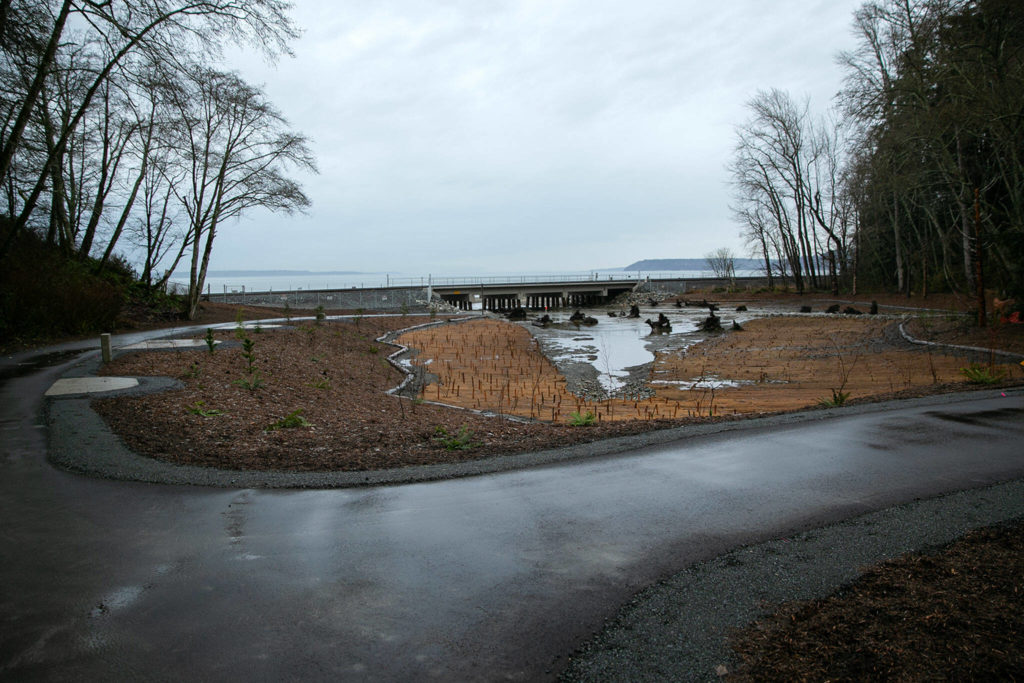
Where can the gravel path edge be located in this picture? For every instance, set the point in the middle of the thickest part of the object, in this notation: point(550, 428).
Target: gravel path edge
point(678, 628)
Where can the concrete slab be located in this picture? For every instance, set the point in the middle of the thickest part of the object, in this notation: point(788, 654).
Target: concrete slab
point(90, 385)
point(247, 326)
point(165, 344)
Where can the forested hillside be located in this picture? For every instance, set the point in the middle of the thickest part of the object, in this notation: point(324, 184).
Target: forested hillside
point(916, 180)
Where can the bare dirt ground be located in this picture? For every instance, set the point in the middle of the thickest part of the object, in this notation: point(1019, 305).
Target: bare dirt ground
point(773, 365)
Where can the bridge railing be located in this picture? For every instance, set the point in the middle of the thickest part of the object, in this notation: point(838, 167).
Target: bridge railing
point(597, 276)
point(469, 280)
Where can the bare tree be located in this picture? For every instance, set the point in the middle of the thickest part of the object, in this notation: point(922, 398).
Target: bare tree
point(722, 263)
point(235, 150)
point(787, 175)
point(122, 31)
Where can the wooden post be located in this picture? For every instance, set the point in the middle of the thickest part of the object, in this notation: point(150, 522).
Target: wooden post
point(105, 347)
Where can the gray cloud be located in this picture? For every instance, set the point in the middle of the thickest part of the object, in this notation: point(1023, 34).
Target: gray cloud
point(469, 136)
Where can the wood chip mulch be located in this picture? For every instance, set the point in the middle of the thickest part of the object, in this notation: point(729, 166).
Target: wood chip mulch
point(336, 374)
point(953, 614)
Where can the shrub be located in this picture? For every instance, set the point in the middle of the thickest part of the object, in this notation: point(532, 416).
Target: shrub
point(584, 420)
point(460, 441)
point(292, 420)
point(983, 374)
point(838, 398)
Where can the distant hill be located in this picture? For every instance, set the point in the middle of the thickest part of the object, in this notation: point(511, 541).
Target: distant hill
point(657, 264)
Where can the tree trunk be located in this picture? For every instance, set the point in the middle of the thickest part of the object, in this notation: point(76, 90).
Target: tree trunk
point(13, 140)
point(979, 273)
point(898, 243)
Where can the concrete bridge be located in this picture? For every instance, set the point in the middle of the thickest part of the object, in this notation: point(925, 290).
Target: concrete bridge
point(531, 294)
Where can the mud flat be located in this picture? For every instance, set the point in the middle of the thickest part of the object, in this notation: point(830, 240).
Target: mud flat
point(619, 371)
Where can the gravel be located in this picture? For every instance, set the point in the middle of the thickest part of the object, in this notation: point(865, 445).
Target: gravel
point(678, 629)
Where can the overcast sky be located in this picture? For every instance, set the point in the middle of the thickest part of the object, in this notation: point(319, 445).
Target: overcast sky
point(474, 136)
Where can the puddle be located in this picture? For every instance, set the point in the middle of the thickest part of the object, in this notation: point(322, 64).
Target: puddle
point(33, 363)
point(702, 383)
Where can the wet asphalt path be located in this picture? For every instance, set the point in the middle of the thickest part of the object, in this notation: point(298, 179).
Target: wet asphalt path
point(492, 577)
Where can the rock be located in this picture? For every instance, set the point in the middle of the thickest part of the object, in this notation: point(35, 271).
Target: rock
point(643, 297)
point(634, 311)
point(736, 326)
point(850, 310)
point(874, 308)
point(543, 321)
point(741, 308)
point(518, 313)
point(834, 308)
point(805, 309)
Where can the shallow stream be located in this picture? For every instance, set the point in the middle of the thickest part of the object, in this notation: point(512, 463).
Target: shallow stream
point(617, 353)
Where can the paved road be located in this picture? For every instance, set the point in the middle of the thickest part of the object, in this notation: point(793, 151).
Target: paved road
point(491, 577)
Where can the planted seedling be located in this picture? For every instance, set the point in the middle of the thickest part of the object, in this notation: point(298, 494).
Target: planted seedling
point(239, 325)
point(838, 398)
point(253, 382)
point(983, 374)
point(460, 441)
point(292, 420)
point(211, 343)
point(199, 408)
